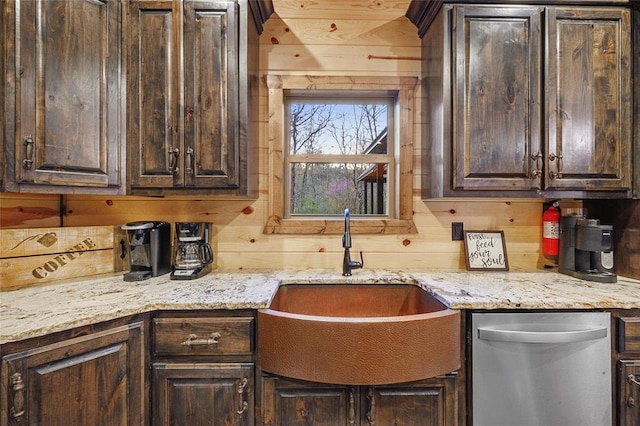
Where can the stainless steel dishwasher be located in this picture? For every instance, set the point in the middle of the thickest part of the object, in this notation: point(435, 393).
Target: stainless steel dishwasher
point(542, 369)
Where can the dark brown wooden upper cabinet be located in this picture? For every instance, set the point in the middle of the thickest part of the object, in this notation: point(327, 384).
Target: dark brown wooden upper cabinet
point(62, 112)
point(152, 94)
point(589, 99)
point(496, 97)
point(192, 95)
point(531, 101)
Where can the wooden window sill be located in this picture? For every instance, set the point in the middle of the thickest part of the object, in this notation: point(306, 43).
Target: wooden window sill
point(276, 225)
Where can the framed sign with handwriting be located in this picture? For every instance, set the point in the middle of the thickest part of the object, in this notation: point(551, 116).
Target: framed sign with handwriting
point(485, 251)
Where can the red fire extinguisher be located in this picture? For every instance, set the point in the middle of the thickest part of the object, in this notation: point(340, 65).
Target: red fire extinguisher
point(551, 231)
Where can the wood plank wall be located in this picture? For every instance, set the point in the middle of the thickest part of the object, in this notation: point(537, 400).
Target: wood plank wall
point(30, 211)
point(331, 37)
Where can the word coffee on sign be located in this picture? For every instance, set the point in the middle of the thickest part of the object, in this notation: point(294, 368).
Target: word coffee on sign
point(62, 259)
point(485, 250)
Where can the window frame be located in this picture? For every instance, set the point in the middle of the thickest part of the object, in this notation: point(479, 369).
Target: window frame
point(400, 219)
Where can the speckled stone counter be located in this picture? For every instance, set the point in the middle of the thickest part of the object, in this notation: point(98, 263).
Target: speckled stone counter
point(522, 290)
point(40, 310)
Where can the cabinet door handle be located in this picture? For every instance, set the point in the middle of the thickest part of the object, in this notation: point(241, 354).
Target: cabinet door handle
point(174, 154)
point(537, 157)
point(632, 380)
point(352, 408)
point(241, 390)
point(192, 340)
point(537, 172)
point(371, 414)
point(29, 146)
point(557, 174)
point(17, 386)
point(189, 159)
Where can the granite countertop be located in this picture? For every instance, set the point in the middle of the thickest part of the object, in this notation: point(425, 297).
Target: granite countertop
point(40, 310)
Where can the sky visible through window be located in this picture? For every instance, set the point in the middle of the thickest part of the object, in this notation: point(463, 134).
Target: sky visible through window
point(320, 183)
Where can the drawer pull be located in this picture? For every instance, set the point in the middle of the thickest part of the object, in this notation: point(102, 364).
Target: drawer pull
point(192, 340)
point(632, 380)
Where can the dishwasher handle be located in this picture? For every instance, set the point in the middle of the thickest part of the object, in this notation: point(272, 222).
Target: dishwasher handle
point(515, 336)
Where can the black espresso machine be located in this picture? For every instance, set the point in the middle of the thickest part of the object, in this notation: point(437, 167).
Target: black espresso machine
point(586, 249)
point(149, 249)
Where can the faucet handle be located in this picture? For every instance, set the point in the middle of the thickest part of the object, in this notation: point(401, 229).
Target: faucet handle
point(354, 264)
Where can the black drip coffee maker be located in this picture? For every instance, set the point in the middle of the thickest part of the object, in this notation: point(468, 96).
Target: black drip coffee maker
point(193, 253)
point(149, 249)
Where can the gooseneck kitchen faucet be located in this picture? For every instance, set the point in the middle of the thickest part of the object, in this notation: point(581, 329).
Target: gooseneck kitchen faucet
point(347, 263)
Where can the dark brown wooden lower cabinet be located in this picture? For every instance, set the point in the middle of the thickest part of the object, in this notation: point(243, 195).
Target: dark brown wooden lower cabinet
point(629, 392)
point(95, 379)
point(429, 402)
point(196, 394)
point(295, 402)
point(626, 359)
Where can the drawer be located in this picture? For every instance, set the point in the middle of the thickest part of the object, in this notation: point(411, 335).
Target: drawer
point(628, 334)
point(203, 336)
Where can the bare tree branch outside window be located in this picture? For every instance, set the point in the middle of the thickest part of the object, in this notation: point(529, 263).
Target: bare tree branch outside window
point(330, 147)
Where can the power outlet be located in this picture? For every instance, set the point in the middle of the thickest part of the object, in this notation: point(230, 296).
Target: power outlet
point(457, 233)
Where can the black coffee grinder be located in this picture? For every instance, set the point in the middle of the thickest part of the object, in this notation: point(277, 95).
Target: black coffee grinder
point(149, 249)
point(193, 253)
point(586, 249)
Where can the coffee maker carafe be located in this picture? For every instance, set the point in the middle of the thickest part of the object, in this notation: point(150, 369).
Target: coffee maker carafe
point(149, 249)
point(193, 253)
point(586, 249)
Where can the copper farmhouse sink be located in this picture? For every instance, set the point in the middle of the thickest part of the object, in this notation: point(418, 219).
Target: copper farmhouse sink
point(357, 334)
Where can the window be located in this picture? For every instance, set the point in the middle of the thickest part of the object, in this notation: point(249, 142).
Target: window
point(339, 149)
point(336, 143)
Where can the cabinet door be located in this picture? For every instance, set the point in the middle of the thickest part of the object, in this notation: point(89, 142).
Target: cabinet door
point(216, 394)
point(426, 403)
point(153, 87)
point(496, 98)
point(67, 127)
point(294, 402)
point(629, 393)
point(90, 380)
point(589, 103)
point(211, 128)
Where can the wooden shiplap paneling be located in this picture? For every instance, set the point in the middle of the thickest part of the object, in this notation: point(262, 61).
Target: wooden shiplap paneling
point(361, 10)
point(369, 37)
point(239, 242)
point(29, 211)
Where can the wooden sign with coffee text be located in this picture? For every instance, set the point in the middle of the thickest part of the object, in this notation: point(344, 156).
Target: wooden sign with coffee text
point(40, 255)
